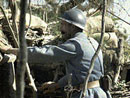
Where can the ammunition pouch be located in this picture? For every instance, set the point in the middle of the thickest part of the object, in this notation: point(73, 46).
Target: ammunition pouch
point(105, 82)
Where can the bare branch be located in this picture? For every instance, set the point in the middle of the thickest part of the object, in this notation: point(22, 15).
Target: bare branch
point(118, 17)
point(112, 14)
point(30, 12)
point(14, 10)
point(97, 51)
point(122, 8)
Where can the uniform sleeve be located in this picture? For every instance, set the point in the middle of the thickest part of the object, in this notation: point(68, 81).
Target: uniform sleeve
point(64, 80)
point(51, 53)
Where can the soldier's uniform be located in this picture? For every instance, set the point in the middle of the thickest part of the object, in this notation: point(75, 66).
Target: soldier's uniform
point(77, 52)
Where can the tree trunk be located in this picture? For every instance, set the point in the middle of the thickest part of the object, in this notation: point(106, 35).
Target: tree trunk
point(22, 52)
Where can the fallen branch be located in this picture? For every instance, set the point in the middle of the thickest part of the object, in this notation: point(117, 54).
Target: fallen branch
point(12, 32)
point(32, 84)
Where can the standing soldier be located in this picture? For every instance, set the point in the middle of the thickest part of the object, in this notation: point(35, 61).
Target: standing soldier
point(77, 52)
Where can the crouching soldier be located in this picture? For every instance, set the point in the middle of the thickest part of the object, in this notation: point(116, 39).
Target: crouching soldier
point(77, 52)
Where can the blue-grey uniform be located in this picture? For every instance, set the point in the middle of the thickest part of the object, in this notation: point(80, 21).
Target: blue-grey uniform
point(77, 52)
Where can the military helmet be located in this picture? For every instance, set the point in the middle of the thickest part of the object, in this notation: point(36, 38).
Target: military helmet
point(76, 17)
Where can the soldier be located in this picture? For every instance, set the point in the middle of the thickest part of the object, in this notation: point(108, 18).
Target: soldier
point(77, 51)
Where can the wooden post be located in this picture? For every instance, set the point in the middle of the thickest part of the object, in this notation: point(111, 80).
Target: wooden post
point(120, 60)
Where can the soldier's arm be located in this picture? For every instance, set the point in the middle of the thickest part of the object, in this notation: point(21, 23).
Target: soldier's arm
point(51, 53)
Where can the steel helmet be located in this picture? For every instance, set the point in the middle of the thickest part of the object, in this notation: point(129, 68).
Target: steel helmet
point(76, 17)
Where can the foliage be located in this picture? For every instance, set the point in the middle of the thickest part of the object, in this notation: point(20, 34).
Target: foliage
point(126, 52)
point(54, 28)
point(120, 85)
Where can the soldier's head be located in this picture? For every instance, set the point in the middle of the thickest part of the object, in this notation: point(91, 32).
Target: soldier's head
point(73, 21)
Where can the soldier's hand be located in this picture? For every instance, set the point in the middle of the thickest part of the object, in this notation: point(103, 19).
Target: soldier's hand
point(49, 87)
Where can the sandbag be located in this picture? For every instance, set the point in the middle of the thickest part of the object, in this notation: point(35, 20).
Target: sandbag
point(93, 24)
point(7, 12)
point(36, 22)
point(110, 38)
point(4, 41)
point(121, 32)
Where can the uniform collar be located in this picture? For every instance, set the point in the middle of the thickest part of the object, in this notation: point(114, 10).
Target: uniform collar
point(79, 33)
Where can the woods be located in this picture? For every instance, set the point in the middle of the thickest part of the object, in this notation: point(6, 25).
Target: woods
point(24, 25)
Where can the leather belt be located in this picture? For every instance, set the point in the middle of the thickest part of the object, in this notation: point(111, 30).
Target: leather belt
point(92, 84)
